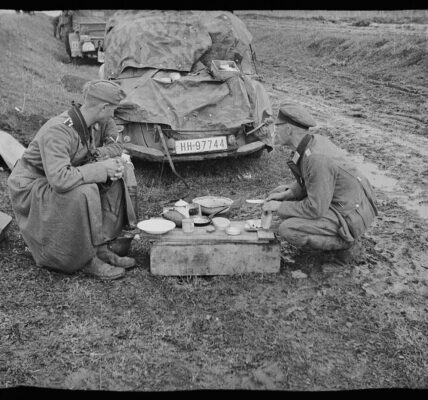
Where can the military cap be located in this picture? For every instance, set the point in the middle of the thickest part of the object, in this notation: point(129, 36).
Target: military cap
point(293, 113)
point(104, 91)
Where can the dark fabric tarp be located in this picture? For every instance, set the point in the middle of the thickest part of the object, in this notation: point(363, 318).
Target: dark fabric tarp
point(191, 102)
point(196, 103)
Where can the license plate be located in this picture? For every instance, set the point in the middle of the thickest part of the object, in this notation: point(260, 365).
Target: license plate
point(101, 56)
point(201, 145)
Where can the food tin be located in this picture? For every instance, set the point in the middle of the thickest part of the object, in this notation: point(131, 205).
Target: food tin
point(187, 225)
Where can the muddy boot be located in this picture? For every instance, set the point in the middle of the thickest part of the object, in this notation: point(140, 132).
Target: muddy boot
point(343, 258)
point(100, 269)
point(105, 254)
point(351, 254)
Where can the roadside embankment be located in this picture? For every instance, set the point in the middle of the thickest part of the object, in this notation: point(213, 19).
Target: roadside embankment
point(33, 66)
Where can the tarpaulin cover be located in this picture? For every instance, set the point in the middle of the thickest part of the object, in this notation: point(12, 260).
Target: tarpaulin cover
point(193, 101)
point(172, 39)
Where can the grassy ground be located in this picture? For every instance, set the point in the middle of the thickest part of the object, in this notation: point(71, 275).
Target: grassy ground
point(351, 16)
point(361, 327)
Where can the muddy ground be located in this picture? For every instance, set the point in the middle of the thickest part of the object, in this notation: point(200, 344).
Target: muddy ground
point(364, 326)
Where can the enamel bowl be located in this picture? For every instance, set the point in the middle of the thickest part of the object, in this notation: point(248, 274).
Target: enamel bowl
point(211, 204)
point(220, 223)
point(233, 230)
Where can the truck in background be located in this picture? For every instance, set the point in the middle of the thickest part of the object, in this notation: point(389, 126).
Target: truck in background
point(83, 32)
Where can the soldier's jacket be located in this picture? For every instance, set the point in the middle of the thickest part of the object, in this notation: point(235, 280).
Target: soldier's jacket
point(331, 181)
point(61, 209)
point(58, 153)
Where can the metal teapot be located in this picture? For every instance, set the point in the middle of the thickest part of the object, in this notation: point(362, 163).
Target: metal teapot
point(182, 207)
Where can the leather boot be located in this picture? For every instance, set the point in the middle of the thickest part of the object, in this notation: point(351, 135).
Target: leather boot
point(343, 258)
point(102, 270)
point(325, 243)
point(351, 254)
point(105, 254)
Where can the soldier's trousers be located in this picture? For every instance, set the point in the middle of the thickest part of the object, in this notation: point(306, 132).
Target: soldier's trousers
point(316, 234)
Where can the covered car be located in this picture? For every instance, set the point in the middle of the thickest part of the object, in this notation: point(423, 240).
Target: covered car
point(189, 79)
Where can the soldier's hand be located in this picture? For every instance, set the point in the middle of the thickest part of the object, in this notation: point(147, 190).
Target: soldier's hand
point(280, 188)
point(271, 205)
point(114, 167)
point(280, 196)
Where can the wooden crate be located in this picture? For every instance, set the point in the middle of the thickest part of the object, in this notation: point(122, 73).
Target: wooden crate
point(201, 253)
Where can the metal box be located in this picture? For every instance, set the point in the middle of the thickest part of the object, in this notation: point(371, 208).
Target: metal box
point(224, 69)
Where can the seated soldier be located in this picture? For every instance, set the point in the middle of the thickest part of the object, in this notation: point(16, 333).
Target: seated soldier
point(331, 203)
point(67, 190)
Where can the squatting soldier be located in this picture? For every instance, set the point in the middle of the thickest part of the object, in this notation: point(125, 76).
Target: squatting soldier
point(330, 204)
point(67, 190)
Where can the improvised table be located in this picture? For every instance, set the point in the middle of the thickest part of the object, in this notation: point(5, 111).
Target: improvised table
point(213, 253)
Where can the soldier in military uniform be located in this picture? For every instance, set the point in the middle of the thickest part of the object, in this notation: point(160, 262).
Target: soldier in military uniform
point(55, 22)
point(64, 27)
point(330, 204)
point(67, 190)
point(65, 22)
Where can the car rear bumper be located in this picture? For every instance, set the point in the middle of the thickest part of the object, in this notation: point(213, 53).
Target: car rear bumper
point(149, 154)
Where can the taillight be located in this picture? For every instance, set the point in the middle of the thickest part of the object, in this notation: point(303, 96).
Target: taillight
point(170, 143)
point(231, 139)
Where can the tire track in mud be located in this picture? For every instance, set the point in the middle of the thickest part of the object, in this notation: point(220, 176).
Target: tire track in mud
point(332, 109)
point(387, 109)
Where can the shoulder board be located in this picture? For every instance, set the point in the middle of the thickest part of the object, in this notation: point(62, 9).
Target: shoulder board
point(68, 122)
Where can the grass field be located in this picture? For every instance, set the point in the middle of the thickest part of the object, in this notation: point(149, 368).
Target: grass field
point(373, 16)
point(361, 327)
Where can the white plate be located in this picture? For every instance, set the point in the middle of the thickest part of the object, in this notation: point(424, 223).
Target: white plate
point(156, 226)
